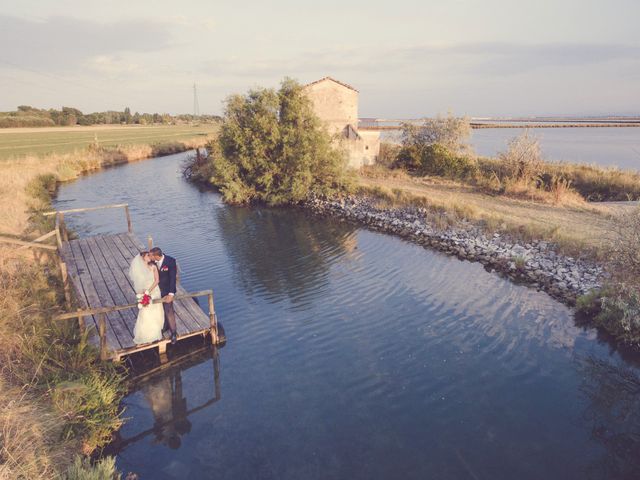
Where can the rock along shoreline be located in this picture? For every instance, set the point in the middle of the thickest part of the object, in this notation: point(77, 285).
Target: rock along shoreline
point(535, 263)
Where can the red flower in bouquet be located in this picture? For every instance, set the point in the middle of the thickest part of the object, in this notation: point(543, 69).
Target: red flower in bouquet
point(144, 300)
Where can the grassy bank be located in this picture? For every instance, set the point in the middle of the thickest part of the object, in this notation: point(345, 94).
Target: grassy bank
point(57, 401)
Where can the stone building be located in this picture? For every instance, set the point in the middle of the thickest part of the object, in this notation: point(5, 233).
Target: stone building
point(336, 104)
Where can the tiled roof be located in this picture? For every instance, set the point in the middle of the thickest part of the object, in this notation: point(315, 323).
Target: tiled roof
point(333, 80)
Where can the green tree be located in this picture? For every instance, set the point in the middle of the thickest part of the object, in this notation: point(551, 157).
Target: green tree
point(126, 116)
point(273, 149)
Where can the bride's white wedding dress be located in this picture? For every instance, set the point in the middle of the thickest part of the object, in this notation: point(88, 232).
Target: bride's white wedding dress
point(150, 318)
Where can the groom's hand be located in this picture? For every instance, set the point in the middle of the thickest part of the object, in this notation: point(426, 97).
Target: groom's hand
point(168, 299)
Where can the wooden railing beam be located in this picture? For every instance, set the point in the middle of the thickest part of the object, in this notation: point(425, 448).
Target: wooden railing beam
point(86, 209)
point(24, 243)
point(101, 310)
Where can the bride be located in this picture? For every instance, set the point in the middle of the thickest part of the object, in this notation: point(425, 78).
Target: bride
point(144, 275)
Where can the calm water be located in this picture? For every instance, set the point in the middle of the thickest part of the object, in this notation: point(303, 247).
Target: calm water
point(611, 146)
point(353, 354)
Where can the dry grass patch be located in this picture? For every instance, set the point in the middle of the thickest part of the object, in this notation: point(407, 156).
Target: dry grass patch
point(578, 229)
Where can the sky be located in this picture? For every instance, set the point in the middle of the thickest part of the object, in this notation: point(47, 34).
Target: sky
point(408, 58)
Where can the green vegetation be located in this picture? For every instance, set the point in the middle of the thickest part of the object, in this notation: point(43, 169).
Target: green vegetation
point(272, 149)
point(435, 159)
point(83, 469)
point(27, 116)
point(17, 143)
point(616, 308)
point(439, 148)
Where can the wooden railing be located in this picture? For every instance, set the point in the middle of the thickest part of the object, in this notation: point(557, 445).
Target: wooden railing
point(61, 227)
point(102, 321)
point(30, 243)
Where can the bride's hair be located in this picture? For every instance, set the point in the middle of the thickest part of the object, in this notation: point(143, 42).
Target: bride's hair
point(146, 252)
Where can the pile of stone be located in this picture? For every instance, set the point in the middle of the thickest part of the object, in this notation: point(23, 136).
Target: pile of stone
point(536, 262)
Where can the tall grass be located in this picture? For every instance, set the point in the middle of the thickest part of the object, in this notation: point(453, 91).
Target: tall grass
point(591, 182)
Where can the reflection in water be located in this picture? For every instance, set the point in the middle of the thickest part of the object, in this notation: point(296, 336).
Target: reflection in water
point(282, 255)
point(169, 409)
point(613, 412)
point(165, 398)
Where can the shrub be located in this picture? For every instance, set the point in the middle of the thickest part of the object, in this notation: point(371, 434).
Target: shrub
point(451, 132)
point(83, 469)
point(523, 159)
point(616, 309)
point(435, 159)
point(388, 154)
point(272, 149)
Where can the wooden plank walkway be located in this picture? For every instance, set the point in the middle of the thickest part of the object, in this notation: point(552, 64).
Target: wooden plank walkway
point(97, 269)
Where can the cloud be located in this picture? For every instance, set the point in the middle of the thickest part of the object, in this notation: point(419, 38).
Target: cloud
point(112, 65)
point(61, 43)
point(477, 59)
point(511, 58)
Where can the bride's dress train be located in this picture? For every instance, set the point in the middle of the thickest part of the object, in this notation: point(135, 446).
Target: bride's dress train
point(150, 320)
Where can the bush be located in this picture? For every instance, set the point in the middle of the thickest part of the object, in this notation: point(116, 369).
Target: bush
point(523, 160)
point(83, 469)
point(435, 159)
point(388, 154)
point(451, 132)
point(616, 309)
point(272, 149)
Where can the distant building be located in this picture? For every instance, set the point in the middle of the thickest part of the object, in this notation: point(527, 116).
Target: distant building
point(336, 104)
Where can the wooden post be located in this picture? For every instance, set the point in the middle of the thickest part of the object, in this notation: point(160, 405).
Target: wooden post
point(58, 236)
point(216, 373)
point(63, 227)
point(212, 321)
point(150, 242)
point(128, 215)
point(65, 284)
point(102, 330)
point(81, 322)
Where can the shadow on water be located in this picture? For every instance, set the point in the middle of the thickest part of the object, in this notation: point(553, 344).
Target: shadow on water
point(280, 253)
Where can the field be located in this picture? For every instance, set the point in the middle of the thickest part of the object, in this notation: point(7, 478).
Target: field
point(17, 142)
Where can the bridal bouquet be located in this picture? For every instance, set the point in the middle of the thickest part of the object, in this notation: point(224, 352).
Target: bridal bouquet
point(144, 299)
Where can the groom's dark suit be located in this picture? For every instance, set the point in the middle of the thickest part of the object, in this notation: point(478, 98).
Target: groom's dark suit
point(167, 284)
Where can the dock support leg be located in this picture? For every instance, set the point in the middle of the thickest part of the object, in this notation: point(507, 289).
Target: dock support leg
point(102, 330)
point(81, 323)
point(162, 348)
point(149, 242)
point(128, 215)
point(63, 227)
point(213, 324)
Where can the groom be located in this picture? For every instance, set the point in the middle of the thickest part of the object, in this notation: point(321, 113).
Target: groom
point(168, 271)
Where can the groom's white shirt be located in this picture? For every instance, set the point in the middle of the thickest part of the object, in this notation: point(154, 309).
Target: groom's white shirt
point(159, 263)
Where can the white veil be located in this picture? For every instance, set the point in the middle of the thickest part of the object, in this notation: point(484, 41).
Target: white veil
point(140, 274)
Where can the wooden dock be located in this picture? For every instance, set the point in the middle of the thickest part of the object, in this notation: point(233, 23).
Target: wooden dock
point(95, 275)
